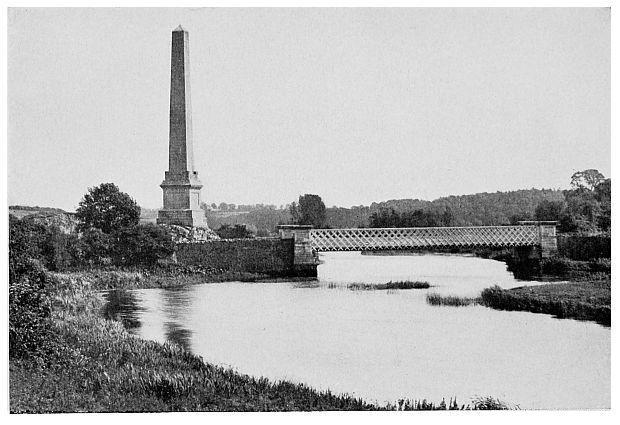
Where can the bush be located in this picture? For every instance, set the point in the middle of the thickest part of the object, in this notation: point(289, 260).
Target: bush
point(29, 308)
point(144, 245)
point(96, 246)
point(48, 244)
point(238, 231)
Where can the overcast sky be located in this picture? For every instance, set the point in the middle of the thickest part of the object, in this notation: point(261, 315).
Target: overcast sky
point(356, 105)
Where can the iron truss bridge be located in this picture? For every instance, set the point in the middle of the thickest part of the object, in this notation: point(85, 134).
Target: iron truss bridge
point(371, 239)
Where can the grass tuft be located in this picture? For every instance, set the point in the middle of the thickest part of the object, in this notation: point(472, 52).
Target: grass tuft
point(450, 300)
point(402, 284)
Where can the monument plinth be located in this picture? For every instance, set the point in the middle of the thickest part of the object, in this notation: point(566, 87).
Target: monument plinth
point(181, 185)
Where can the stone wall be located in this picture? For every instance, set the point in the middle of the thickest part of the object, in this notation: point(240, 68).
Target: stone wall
point(270, 256)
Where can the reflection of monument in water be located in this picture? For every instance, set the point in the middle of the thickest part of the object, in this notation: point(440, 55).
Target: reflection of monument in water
point(181, 185)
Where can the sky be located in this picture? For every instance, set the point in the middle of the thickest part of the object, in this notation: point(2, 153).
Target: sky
point(357, 105)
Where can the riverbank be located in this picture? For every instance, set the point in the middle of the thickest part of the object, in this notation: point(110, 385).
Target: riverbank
point(93, 364)
point(582, 300)
point(162, 277)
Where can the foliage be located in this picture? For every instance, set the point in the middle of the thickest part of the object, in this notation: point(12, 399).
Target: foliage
point(48, 244)
point(96, 246)
point(586, 179)
point(550, 210)
point(584, 247)
point(310, 210)
point(584, 300)
point(415, 218)
point(238, 231)
point(585, 209)
point(143, 244)
point(29, 309)
point(106, 208)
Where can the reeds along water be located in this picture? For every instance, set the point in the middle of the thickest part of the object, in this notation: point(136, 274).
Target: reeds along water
point(450, 300)
point(402, 284)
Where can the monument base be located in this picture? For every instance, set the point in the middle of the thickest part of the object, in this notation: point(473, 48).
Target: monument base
point(185, 218)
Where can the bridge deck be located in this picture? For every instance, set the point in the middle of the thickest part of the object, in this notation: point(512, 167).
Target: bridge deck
point(423, 237)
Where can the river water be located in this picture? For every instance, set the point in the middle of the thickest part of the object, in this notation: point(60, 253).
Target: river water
point(384, 345)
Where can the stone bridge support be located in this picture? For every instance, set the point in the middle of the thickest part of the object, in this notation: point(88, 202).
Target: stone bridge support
point(548, 238)
point(547, 241)
point(306, 259)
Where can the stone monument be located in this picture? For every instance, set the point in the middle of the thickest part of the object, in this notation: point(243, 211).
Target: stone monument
point(181, 185)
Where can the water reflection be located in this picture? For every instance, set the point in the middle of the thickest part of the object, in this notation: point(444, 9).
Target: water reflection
point(123, 306)
point(177, 334)
point(177, 304)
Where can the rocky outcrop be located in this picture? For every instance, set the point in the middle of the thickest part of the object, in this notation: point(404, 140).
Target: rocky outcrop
point(183, 234)
point(66, 222)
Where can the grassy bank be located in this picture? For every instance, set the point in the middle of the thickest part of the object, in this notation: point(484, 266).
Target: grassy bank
point(584, 300)
point(92, 364)
point(159, 277)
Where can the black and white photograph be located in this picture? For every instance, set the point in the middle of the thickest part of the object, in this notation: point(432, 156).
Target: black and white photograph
point(304, 209)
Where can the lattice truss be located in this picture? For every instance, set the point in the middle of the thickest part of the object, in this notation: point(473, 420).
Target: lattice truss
point(422, 237)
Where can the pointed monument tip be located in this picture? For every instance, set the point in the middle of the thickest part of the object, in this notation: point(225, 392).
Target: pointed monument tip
point(179, 28)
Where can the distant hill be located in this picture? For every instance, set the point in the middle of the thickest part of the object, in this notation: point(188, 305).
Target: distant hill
point(479, 209)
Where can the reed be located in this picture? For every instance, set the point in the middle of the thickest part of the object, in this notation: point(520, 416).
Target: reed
point(401, 284)
point(450, 300)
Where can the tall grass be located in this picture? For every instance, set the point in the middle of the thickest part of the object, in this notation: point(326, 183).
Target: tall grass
point(450, 300)
point(403, 284)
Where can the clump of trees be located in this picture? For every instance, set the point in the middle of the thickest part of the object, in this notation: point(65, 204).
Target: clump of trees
point(586, 207)
point(108, 232)
point(389, 217)
point(238, 231)
point(110, 223)
point(309, 210)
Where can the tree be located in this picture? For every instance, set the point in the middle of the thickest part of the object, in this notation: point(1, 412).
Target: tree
point(294, 211)
point(586, 179)
point(143, 244)
point(311, 210)
point(106, 208)
point(550, 210)
point(96, 246)
point(602, 192)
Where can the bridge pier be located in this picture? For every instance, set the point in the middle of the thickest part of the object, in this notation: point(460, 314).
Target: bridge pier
point(305, 259)
point(547, 238)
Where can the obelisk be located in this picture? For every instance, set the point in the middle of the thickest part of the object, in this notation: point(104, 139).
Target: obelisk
point(181, 185)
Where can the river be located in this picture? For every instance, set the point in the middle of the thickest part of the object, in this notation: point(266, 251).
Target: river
point(384, 345)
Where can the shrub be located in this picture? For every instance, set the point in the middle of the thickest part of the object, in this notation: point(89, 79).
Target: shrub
point(29, 308)
point(144, 245)
point(49, 244)
point(238, 231)
point(96, 246)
